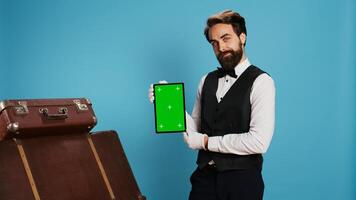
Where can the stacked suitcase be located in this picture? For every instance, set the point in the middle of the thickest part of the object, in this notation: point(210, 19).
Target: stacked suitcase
point(47, 152)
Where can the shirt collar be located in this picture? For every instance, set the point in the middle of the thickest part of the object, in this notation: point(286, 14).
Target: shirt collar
point(241, 67)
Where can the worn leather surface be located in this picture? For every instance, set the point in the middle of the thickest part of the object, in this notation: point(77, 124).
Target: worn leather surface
point(64, 168)
point(116, 165)
point(13, 180)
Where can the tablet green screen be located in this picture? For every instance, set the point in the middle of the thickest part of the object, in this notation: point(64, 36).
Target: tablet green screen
point(169, 107)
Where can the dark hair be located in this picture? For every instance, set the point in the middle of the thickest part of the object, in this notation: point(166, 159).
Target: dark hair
point(226, 17)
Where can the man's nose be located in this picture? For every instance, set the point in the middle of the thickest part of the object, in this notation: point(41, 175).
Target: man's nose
point(222, 47)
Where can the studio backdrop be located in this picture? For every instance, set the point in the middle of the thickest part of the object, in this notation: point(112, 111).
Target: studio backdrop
point(110, 51)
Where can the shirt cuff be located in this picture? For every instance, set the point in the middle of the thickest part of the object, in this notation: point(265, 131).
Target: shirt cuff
point(213, 143)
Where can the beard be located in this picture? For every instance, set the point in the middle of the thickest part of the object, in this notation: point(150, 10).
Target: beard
point(229, 59)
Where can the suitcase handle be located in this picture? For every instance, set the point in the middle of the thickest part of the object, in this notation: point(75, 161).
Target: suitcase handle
point(62, 113)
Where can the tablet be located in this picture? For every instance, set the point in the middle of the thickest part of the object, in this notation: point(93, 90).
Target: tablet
point(169, 105)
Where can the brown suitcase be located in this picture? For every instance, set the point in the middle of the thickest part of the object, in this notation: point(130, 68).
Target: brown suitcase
point(63, 165)
point(28, 118)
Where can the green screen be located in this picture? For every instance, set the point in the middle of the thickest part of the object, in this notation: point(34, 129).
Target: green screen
point(169, 107)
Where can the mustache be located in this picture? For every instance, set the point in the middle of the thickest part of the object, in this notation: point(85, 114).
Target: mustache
point(222, 54)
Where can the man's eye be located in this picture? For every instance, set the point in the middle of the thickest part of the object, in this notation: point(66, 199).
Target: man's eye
point(225, 39)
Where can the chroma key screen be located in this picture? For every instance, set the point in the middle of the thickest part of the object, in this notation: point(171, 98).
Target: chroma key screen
point(169, 107)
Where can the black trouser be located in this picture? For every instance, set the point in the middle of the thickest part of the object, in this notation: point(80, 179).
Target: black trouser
point(210, 184)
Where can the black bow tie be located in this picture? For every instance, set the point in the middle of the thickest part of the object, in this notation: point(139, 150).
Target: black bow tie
point(223, 72)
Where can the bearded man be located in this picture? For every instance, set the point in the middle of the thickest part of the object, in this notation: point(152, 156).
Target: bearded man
point(232, 122)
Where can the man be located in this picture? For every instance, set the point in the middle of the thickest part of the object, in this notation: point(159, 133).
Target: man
point(233, 118)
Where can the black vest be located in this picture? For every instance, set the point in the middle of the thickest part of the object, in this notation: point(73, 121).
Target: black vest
point(231, 115)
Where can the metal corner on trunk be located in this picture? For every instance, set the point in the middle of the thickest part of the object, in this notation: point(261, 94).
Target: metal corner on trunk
point(3, 105)
point(88, 101)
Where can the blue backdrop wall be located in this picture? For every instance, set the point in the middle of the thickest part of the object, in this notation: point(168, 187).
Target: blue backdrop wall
point(3, 64)
point(111, 50)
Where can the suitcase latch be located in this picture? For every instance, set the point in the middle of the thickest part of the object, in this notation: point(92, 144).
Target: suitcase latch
point(22, 109)
point(80, 106)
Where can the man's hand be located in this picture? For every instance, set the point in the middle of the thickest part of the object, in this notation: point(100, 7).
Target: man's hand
point(193, 139)
point(151, 96)
point(196, 140)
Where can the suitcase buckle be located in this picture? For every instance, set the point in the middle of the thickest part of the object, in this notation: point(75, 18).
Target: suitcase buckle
point(80, 106)
point(22, 108)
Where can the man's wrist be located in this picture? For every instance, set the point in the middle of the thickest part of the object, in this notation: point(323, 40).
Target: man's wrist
point(206, 142)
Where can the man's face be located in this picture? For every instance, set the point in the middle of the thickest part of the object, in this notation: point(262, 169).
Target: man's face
point(228, 47)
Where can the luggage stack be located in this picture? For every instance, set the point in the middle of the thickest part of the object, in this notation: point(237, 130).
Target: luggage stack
point(47, 152)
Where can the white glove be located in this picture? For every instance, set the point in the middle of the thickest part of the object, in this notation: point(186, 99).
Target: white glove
point(151, 96)
point(195, 140)
point(191, 126)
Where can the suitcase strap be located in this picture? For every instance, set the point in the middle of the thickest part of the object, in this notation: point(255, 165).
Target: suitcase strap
point(27, 169)
point(102, 171)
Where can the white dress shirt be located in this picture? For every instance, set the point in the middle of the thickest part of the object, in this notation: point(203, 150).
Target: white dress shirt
point(262, 98)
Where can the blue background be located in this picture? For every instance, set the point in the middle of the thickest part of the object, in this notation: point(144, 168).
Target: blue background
point(110, 51)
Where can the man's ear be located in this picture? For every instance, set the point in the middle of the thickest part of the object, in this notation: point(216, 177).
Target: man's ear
point(242, 37)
